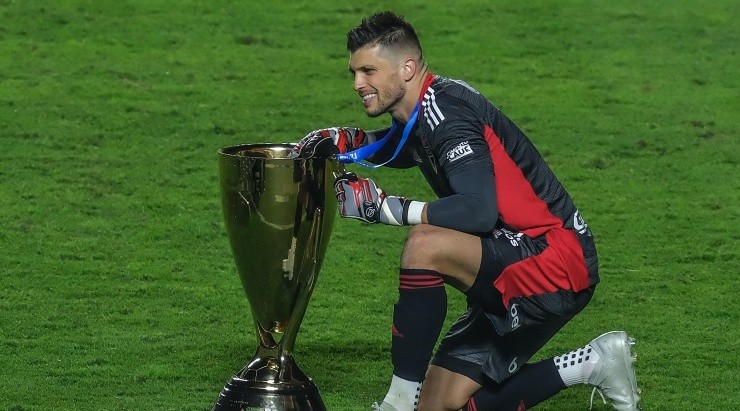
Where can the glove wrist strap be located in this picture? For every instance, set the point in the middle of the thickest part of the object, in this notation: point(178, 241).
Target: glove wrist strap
point(412, 211)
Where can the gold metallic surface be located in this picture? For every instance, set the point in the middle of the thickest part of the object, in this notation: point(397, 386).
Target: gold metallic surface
point(279, 214)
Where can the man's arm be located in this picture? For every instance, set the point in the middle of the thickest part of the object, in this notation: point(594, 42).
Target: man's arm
point(473, 207)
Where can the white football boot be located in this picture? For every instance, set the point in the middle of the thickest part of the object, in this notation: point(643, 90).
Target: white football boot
point(384, 406)
point(614, 373)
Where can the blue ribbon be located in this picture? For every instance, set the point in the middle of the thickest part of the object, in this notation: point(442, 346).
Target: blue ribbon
point(359, 155)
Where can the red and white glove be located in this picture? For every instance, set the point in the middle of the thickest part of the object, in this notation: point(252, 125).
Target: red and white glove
point(361, 198)
point(327, 142)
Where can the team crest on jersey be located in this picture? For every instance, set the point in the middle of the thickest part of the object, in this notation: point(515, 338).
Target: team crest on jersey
point(461, 150)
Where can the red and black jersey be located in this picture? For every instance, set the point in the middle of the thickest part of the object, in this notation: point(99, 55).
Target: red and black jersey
point(459, 136)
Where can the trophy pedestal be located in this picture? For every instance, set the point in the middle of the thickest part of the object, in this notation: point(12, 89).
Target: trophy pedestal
point(242, 395)
point(269, 384)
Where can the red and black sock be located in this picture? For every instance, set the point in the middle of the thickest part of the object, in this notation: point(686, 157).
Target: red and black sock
point(531, 385)
point(417, 321)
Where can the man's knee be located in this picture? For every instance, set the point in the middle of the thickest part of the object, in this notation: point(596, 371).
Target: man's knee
point(445, 390)
point(422, 247)
point(453, 254)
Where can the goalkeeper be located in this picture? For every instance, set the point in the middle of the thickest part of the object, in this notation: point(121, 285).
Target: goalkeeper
point(503, 231)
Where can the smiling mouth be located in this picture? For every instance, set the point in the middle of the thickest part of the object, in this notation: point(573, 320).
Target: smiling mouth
point(367, 97)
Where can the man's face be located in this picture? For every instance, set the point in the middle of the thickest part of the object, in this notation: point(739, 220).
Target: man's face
point(378, 79)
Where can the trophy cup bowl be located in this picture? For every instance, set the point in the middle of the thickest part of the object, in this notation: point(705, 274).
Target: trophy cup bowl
point(279, 214)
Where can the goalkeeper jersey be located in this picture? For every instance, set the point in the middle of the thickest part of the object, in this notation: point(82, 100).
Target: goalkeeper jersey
point(458, 128)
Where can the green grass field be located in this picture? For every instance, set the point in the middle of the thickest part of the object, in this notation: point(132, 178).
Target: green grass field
point(118, 290)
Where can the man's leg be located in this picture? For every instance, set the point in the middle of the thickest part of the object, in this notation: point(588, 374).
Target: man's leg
point(445, 390)
point(428, 261)
point(605, 363)
point(474, 350)
point(417, 321)
point(531, 385)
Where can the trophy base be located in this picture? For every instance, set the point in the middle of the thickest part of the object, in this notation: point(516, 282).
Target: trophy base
point(243, 395)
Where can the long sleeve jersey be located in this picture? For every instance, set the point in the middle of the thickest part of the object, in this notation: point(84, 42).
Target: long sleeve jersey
point(485, 170)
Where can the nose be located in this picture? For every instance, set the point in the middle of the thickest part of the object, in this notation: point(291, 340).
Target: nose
point(359, 82)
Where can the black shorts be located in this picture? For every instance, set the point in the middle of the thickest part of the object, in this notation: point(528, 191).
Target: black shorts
point(527, 290)
point(474, 346)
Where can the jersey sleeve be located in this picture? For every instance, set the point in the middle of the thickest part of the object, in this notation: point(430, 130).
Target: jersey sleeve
point(458, 142)
point(473, 207)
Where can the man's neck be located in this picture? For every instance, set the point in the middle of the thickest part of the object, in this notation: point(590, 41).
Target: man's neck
point(411, 97)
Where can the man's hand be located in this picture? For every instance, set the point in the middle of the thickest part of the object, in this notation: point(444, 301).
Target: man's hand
point(361, 198)
point(327, 142)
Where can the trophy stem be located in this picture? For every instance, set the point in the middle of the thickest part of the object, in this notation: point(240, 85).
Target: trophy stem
point(308, 265)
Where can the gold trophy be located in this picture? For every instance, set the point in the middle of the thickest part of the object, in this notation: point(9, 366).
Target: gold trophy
point(279, 214)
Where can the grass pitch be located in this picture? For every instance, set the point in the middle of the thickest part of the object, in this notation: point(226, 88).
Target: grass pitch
point(118, 290)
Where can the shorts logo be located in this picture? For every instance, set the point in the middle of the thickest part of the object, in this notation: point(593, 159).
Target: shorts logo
point(460, 151)
point(513, 366)
point(514, 313)
point(514, 238)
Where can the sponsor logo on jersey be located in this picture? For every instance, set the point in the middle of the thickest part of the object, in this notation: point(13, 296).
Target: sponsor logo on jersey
point(432, 113)
point(461, 150)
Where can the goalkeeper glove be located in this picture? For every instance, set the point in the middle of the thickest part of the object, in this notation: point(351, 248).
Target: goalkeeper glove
point(326, 142)
point(361, 198)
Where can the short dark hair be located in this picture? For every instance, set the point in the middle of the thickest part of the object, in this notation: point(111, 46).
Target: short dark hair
point(384, 28)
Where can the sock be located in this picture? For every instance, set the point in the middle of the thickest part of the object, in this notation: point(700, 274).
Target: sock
point(531, 385)
point(403, 395)
point(418, 317)
point(576, 366)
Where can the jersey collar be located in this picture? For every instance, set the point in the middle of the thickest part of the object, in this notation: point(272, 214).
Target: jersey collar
point(430, 77)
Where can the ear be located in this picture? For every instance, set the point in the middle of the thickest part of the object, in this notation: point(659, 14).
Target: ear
point(409, 69)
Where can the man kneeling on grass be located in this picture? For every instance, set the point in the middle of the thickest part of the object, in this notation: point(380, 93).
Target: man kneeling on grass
point(503, 231)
